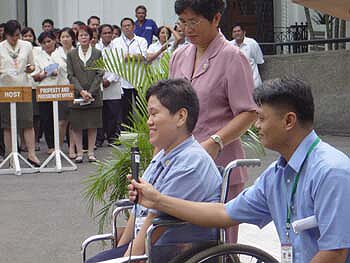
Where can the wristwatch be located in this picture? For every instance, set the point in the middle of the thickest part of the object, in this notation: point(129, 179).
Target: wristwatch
point(216, 138)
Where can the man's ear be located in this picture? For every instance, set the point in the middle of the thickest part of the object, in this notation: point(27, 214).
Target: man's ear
point(290, 120)
point(182, 115)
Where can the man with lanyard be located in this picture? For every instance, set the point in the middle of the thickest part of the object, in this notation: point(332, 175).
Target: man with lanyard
point(182, 168)
point(129, 45)
point(112, 93)
point(250, 48)
point(310, 179)
point(144, 27)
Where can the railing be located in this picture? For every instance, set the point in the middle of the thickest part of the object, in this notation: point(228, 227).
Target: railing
point(300, 46)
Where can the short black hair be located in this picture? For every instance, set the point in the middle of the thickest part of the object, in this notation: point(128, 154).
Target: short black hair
point(79, 23)
point(102, 27)
point(289, 93)
point(140, 7)
point(45, 34)
point(126, 19)
point(25, 30)
point(2, 25)
point(205, 8)
point(47, 21)
point(238, 24)
point(70, 32)
point(11, 27)
point(175, 94)
point(118, 28)
point(160, 28)
point(93, 17)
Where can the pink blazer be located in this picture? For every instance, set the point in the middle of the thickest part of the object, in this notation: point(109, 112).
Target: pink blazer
point(224, 85)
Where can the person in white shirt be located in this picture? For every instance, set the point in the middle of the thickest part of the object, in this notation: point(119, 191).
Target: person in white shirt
point(129, 45)
point(43, 60)
point(156, 50)
point(251, 49)
point(28, 34)
point(16, 63)
point(112, 93)
point(67, 40)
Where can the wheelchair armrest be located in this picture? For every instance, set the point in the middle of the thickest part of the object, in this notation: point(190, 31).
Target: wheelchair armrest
point(167, 220)
point(123, 202)
point(126, 259)
point(92, 239)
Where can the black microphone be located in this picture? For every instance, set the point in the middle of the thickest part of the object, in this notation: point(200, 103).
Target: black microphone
point(135, 165)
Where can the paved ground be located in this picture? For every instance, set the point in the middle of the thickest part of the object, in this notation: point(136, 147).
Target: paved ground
point(44, 217)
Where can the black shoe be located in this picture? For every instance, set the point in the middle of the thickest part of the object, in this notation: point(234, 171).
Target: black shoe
point(98, 144)
point(35, 164)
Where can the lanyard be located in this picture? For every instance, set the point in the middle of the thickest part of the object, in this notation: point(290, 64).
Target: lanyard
point(295, 185)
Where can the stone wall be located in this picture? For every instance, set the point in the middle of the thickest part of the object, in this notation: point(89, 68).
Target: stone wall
point(329, 75)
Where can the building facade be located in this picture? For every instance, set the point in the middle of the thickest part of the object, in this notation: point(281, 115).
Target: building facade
point(262, 18)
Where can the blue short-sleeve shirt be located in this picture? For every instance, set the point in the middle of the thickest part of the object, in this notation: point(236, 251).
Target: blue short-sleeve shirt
point(146, 30)
point(322, 191)
point(186, 172)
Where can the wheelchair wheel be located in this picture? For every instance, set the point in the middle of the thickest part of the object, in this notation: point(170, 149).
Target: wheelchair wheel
point(232, 253)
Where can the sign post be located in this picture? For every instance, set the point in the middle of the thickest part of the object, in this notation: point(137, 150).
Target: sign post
point(56, 93)
point(15, 95)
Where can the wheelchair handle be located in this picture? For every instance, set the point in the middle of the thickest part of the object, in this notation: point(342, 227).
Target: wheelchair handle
point(243, 162)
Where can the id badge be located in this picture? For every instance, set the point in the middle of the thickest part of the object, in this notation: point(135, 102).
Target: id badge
point(286, 253)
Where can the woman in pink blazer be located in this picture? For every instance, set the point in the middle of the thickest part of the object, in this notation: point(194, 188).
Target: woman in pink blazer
point(222, 78)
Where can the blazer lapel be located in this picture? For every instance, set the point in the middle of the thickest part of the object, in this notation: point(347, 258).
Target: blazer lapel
point(213, 49)
point(187, 68)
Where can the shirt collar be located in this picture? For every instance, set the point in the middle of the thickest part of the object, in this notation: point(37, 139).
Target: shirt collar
point(243, 43)
point(127, 40)
point(165, 159)
point(299, 154)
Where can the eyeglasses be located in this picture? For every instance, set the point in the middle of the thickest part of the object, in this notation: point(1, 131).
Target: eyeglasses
point(190, 24)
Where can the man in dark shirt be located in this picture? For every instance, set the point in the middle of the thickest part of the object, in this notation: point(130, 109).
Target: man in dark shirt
point(145, 28)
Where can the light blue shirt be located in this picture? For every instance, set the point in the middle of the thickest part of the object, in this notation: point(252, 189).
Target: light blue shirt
point(323, 191)
point(186, 172)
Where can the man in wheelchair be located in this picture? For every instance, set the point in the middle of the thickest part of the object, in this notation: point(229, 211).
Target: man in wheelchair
point(305, 192)
point(182, 168)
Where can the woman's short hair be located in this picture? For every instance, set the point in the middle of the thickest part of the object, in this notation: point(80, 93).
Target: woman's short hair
point(25, 30)
point(167, 29)
point(205, 8)
point(86, 29)
point(11, 27)
point(45, 34)
point(288, 94)
point(70, 32)
point(175, 94)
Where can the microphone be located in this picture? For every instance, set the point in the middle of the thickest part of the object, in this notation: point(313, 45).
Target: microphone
point(135, 165)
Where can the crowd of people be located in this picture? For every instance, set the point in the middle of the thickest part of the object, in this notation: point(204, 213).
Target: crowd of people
point(107, 98)
point(195, 119)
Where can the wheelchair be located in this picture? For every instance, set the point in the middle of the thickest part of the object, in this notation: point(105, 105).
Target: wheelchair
point(214, 251)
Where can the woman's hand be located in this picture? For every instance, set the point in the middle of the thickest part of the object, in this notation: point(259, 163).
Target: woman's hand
point(106, 83)
point(40, 76)
point(211, 147)
point(86, 95)
point(54, 74)
point(29, 69)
